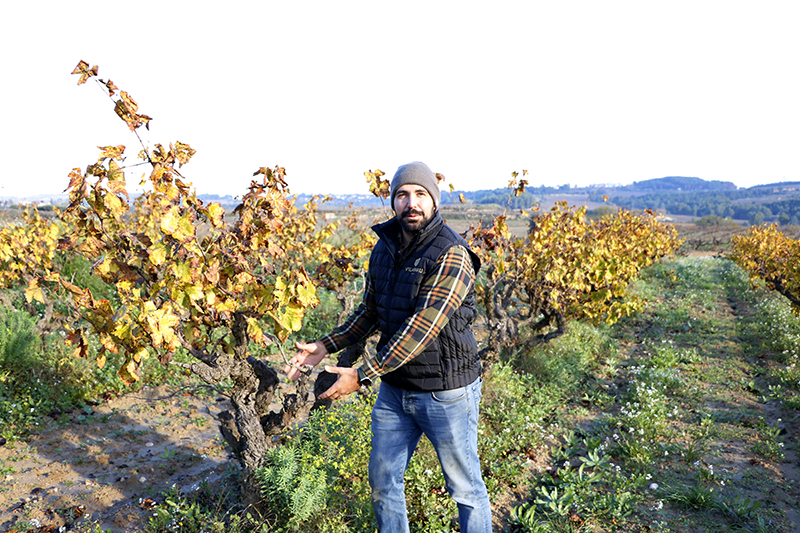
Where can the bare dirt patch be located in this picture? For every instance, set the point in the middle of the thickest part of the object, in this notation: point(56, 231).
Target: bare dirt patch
point(108, 463)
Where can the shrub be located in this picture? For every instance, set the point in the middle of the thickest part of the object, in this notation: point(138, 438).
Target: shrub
point(317, 480)
point(714, 220)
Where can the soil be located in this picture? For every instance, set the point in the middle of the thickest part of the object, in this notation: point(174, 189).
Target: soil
point(774, 483)
point(108, 463)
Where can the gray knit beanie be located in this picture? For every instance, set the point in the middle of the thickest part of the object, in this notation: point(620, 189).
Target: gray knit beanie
point(416, 173)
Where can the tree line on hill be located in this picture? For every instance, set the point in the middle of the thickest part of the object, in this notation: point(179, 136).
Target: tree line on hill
point(737, 205)
point(680, 183)
point(778, 202)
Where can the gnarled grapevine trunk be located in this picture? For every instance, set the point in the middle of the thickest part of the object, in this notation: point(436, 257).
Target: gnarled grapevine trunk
point(250, 427)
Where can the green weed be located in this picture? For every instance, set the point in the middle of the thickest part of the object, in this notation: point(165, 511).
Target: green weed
point(198, 512)
point(768, 444)
point(594, 493)
point(317, 480)
point(697, 497)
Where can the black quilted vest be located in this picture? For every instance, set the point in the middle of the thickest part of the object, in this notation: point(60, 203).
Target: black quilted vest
point(451, 360)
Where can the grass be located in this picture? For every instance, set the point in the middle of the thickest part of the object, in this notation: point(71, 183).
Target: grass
point(37, 376)
point(40, 378)
point(676, 417)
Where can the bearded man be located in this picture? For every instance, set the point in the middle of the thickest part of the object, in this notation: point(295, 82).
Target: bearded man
point(420, 296)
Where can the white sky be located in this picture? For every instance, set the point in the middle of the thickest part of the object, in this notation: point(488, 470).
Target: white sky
point(581, 92)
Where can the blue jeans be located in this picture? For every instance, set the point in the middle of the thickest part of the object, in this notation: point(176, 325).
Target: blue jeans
point(450, 421)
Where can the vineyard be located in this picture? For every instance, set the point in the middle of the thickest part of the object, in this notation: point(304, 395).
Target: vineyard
point(628, 384)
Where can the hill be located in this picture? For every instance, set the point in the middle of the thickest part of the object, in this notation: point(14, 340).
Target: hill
point(680, 183)
point(778, 203)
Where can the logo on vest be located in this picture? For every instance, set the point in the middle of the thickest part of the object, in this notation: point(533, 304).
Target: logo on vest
point(416, 268)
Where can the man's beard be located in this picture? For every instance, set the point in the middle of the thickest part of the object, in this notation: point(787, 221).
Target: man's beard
point(412, 228)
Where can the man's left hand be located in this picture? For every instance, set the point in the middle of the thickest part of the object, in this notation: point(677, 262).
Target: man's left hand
point(346, 384)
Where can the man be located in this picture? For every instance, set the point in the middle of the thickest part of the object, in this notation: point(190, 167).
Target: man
point(419, 296)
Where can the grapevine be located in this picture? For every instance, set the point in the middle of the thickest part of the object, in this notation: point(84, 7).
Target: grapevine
point(768, 254)
point(565, 268)
point(27, 251)
point(190, 276)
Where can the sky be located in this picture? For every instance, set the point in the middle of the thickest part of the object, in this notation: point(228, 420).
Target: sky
point(574, 92)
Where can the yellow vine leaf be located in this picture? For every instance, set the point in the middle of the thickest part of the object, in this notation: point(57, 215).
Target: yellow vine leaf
point(216, 215)
point(194, 292)
point(34, 292)
point(127, 373)
point(254, 331)
point(377, 186)
point(101, 358)
point(108, 343)
point(85, 72)
point(140, 355)
point(157, 254)
point(182, 271)
point(170, 220)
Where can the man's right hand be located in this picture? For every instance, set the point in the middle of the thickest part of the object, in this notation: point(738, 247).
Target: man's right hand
point(308, 354)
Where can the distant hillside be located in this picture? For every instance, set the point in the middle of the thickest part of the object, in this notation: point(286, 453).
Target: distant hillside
point(495, 196)
point(344, 200)
point(780, 186)
point(680, 183)
point(779, 202)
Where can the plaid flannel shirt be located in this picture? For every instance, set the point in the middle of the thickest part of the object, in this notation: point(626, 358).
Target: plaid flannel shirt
point(440, 295)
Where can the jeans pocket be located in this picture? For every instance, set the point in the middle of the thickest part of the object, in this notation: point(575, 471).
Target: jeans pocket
point(449, 396)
